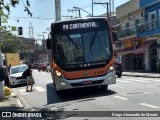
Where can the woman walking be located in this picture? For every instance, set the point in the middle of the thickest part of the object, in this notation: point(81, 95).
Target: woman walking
point(29, 78)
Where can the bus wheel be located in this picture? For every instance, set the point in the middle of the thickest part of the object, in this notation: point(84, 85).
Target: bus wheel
point(104, 87)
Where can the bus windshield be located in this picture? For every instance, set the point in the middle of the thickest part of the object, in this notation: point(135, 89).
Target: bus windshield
point(83, 48)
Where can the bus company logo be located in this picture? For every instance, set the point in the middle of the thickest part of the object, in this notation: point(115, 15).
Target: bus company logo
point(85, 74)
point(6, 114)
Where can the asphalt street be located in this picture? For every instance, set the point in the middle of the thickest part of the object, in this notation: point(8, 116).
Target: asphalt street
point(128, 94)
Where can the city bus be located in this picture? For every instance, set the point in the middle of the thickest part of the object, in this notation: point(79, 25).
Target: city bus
point(81, 53)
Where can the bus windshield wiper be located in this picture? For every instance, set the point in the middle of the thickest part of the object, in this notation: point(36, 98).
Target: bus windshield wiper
point(93, 39)
point(75, 45)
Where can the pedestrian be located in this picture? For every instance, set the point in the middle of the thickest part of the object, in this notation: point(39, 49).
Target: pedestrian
point(29, 78)
point(5, 70)
point(9, 67)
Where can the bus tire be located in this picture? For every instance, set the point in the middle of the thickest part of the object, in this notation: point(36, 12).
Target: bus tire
point(104, 87)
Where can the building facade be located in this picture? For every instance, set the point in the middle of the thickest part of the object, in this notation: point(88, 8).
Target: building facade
point(130, 17)
point(150, 30)
point(138, 35)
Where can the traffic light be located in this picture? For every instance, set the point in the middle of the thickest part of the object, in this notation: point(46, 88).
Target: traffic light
point(20, 31)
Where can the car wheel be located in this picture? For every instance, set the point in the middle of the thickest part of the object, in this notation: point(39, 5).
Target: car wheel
point(104, 87)
point(119, 75)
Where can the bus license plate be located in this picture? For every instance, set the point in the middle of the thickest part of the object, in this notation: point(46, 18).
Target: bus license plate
point(87, 82)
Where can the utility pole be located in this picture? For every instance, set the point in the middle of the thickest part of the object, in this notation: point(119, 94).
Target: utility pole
point(113, 5)
point(106, 7)
point(110, 7)
point(58, 10)
point(92, 6)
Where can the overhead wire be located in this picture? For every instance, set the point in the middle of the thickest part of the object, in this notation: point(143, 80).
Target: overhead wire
point(38, 17)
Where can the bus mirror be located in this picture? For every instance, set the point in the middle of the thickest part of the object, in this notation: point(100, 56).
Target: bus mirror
point(115, 36)
point(48, 43)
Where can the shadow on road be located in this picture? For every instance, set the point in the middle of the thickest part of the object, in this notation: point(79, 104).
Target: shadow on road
point(80, 94)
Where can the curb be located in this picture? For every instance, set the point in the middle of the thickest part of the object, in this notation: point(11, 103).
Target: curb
point(141, 76)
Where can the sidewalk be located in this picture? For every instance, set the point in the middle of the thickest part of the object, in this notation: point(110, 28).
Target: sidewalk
point(141, 74)
point(10, 103)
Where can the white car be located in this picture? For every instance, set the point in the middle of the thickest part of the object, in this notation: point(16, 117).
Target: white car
point(15, 75)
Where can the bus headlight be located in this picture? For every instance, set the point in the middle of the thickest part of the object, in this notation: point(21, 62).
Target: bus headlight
point(59, 74)
point(111, 69)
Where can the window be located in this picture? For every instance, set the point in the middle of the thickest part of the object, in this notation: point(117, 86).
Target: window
point(152, 20)
point(127, 25)
point(136, 22)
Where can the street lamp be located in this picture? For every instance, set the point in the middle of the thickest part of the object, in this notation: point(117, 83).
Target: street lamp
point(82, 10)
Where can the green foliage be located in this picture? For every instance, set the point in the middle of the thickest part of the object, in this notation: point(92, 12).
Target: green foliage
point(11, 43)
point(5, 10)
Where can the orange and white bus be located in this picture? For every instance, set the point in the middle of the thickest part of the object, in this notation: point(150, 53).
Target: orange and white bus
point(81, 53)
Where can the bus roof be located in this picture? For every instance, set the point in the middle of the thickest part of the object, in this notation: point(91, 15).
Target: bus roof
point(78, 19)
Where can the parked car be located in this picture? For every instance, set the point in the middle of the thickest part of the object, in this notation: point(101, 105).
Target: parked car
point(118, 67)
point(15, 75)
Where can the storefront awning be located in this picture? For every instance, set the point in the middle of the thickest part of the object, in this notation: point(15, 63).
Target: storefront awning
point(143, 47)
point(126, 51)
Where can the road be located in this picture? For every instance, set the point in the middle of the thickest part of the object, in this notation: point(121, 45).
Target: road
point(129, 94)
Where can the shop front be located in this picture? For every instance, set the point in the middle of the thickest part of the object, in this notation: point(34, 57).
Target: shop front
point(132, 61)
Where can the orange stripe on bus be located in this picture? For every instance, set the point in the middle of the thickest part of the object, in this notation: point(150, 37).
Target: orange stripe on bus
point(84, 73)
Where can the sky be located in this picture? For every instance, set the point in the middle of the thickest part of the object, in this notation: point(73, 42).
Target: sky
point(44, 14)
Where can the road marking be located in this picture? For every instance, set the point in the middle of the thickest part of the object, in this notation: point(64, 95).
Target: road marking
point(156, 80)
point(143, 81)
point(146, 93)
point(19, 103)
point(39, 88)
point(149, 105)
point(23, 91)
point(122, 98)
point(36, 73)
point(123, 81)
point(13, 94)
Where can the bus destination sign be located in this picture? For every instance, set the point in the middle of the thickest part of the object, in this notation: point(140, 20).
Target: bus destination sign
point(73, 26)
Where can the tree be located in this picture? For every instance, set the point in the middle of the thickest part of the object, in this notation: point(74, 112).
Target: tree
point(5, 11)
point(11, 43)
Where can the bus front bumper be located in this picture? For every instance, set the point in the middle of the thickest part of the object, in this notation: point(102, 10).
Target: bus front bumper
point(64, 84)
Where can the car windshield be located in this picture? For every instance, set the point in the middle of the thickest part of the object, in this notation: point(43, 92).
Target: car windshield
point(82, 48)
point(18, 69)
